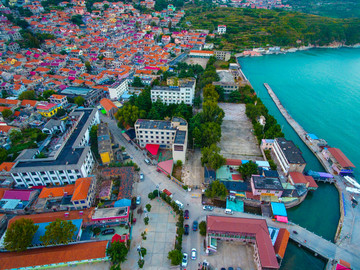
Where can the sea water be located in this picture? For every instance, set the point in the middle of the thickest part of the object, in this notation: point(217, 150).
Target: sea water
point(320, 88)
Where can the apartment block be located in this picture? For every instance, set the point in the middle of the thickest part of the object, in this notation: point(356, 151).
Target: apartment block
point(288, 155)
point(117, 89)
point(167, 134)
point(184, 92)
point(71, 161)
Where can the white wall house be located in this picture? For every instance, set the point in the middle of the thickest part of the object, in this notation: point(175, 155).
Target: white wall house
point(175, 94)
point(118, 89)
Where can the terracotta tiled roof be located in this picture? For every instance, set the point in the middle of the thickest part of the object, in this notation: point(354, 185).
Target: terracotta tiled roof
point(25, 102)
point(281, 242)
point(53, 255)
point(107, 104)
point(82, 186)
point(341, 158)
point(6, 166)
point(56, 191)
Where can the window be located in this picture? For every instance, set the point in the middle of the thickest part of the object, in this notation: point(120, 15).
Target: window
point(33, 173)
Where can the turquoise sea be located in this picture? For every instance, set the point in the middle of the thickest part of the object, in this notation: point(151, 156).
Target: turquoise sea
point(320, 88)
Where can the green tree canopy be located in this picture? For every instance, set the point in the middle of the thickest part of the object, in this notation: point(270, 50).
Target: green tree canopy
point(48, 93)
point(6, 113)
point(30, 94)
point(207, 134)
point(79, 100)
point(117, 252)
point(210, 156)
point(209, 92)
point(216, 189)
point(3, 155)
point(20, 234)
point(128, 114)
point(175, 256)
point(202, 228)
point(137, 82)
point(248, 169)
point(58, 232)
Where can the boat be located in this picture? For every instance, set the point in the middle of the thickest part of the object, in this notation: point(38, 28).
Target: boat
point(353, 190)
point(352, 181)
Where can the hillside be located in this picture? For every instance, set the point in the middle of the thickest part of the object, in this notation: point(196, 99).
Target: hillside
point(331, 8)
point(248, 28)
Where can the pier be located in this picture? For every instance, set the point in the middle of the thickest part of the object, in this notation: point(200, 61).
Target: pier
point(347, 237)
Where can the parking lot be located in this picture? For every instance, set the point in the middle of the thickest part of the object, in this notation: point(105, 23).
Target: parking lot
point(160, 236)
point(237, 140)
point(232, 254)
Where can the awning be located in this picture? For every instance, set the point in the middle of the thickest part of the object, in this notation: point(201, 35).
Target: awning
point(282, 219)
point(153, 148)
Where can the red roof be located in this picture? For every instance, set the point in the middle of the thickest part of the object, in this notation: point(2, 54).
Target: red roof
point(53, 255)
point(311, 181)
point(340, 157)
point(236, 177)
point(281, 242)
point(298, 178)
point(108, 104)
point(120, 238)
point(257, 227)
point(233, 162)
point(152, 148)
point(166, 166)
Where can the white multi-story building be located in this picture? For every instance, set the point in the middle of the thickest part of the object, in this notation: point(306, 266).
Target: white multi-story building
point(175, 94)
point(167, 134)
point(221, 29)
point(71, 161)
point(117, 89)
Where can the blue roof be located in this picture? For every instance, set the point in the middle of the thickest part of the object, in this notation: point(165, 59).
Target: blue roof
point(122, 202)
point(42, 228)
point(278, 209)
point(312, 136)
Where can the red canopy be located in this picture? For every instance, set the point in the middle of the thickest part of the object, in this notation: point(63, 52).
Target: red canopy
point(119, 238)
point(152, 148)
point(282, 219)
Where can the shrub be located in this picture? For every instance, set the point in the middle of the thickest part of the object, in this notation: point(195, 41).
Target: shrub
point(185, 187)
point(175, 256)
point(96, 230)
point(143, 251)
point(202, 228)
point(141, 263)
point(146, 221)
point(148, 207)
point(151, 196)
point(155, 193)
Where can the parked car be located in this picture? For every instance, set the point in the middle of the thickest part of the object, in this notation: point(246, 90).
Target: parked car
point(108, 231)
point(208, 207)
point(195, 225)
point(193, 254)
point(186, 214)
point(184, 260)
point(229, 212)
point(141, 177)
point(295, 232)
point(147, 161)
point(186, 227)
point(230, 268)
point(138, 200)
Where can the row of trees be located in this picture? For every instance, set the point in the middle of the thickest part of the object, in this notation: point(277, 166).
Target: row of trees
point(20, 234)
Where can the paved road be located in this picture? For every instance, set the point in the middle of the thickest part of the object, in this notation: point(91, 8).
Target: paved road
point(192, 202)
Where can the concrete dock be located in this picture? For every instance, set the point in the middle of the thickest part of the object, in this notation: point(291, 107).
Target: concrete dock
point(347, 237)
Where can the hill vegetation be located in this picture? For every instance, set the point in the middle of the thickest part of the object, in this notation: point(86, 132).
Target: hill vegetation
point(248, 28)
point(330, 8)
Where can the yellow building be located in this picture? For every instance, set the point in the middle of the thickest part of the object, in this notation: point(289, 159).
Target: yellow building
point(48, 109)
point(104, 144)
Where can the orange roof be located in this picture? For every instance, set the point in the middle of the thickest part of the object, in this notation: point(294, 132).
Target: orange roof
point(57, 96)
point(56, 191)
point(25, 102)
point(6, 129)
point(107, 104)
point(6, 166)
point(9, 101)
point(53, 255)
point(197, 51)
point(82, 186)
point(281, 242)
point(52, 216)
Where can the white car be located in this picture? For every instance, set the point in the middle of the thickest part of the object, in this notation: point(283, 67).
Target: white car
point(141, 177)
point(184, 260)
point(193, 254)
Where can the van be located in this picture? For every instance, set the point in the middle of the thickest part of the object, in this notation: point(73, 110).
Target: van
point(147, 161)
point(178, 203)
point(229, 212)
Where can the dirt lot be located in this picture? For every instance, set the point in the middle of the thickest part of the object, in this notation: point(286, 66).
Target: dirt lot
point(193, 172)
point(237, 140)
point(232, 254)
point(193, 61)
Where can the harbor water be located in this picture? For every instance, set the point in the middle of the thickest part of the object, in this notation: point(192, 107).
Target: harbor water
point(320, 88)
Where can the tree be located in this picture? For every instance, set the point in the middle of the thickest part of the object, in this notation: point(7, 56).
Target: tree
point(58, 232)
point(175, 256)
point(248, 169)
point(20, 234)
point(137, 82)
point(48, 93)
point(60, 112)
point(202, 228)
point(235, 97)
point(128, 114)
point(209, 92)
point(88, 66)
point(216, 189)
point(6, 113)
point(148, 207)
point(77, 19)
point(3, 155)
point(27, 95)
point(117, 252)
point(212, 112)
point(210, 156)
point(79, 100)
